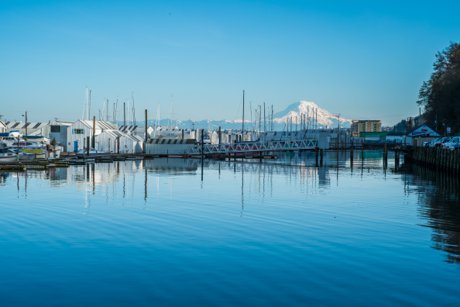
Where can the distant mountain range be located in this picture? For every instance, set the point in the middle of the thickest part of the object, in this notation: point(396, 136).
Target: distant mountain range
point(293, 113)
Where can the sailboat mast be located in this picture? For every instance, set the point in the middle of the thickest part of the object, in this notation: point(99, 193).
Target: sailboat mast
point(242, 123)
point(271, 119)
point(124, 113)
point(107, 110)
point(87, 111)
point(265, 125)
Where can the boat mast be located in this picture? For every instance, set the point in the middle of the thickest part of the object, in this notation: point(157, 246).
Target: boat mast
point(242, 123)
point(124, 113)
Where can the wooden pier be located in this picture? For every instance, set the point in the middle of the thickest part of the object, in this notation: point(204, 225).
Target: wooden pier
point(436, 158)
point(33, 165)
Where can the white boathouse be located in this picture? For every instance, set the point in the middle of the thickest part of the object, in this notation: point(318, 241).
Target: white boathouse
point(107, 138)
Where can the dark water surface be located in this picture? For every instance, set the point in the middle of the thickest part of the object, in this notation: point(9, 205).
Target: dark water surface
point(154, 233)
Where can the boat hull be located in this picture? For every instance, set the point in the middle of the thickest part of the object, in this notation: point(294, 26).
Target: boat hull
point(8, 159)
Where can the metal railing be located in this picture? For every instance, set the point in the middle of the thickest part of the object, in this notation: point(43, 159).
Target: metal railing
point(271, 146)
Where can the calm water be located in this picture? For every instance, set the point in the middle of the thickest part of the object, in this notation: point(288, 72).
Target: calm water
point(163, 232)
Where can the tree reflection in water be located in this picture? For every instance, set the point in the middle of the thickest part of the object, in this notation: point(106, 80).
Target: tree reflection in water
point(439, 198)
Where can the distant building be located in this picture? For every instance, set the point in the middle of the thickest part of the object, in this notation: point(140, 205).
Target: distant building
point(2, 127)
point(359, 126)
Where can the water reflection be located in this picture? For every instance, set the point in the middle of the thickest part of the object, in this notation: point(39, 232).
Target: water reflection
point(123, 183)
point(3, 177)
point(172, 166)
point(439, 199)
point(294, 166)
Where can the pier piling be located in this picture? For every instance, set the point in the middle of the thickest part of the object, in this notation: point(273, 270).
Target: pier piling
point(87, 145)
point(316, 156)
point(351, 155)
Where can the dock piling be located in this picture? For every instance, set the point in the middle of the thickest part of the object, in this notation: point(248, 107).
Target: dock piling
point(316, 156)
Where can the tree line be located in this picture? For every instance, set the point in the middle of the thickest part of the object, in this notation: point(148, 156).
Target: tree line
point(440, 95)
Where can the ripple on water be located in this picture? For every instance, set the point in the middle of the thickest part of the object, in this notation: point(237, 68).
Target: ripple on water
point(248, 234)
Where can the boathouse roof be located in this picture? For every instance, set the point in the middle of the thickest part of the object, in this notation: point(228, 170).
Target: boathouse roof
point(423, 131)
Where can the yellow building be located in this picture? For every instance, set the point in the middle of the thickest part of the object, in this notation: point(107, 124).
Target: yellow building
point(358, 126)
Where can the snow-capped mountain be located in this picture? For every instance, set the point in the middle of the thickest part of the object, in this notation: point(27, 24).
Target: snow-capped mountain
point(310, 110)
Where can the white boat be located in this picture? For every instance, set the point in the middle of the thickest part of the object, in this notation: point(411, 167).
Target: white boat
point(7, 156)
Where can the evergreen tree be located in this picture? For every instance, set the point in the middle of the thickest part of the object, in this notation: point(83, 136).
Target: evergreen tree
point(440, 95)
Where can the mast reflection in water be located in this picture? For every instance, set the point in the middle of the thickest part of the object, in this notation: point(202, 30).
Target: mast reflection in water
point(174, 231)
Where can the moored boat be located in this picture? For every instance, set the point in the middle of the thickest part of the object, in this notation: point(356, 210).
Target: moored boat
point(7, 156)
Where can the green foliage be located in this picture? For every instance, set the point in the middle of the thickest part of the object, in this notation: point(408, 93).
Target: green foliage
point(440, 96)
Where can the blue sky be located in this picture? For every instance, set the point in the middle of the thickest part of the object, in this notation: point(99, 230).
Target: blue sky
point(362, 59)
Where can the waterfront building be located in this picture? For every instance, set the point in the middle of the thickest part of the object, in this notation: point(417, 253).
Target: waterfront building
point(359, 126)
point(107, 138)
point(2, 127)
point(135, 130)
point(373, 137)
point(395, 138)
point(33, 128)
point(165, 140)
point(58, 132)
point(424, 131)
point(161, 132)
point(422, 134)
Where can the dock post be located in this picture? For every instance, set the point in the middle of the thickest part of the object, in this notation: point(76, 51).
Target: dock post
point(385, 155)
point(202, 143)
point(316, 156)
point(321, 153)
point(220, 136)
point(396, 158)
point(87, 145)
point(351, 155)
point(93, 141)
